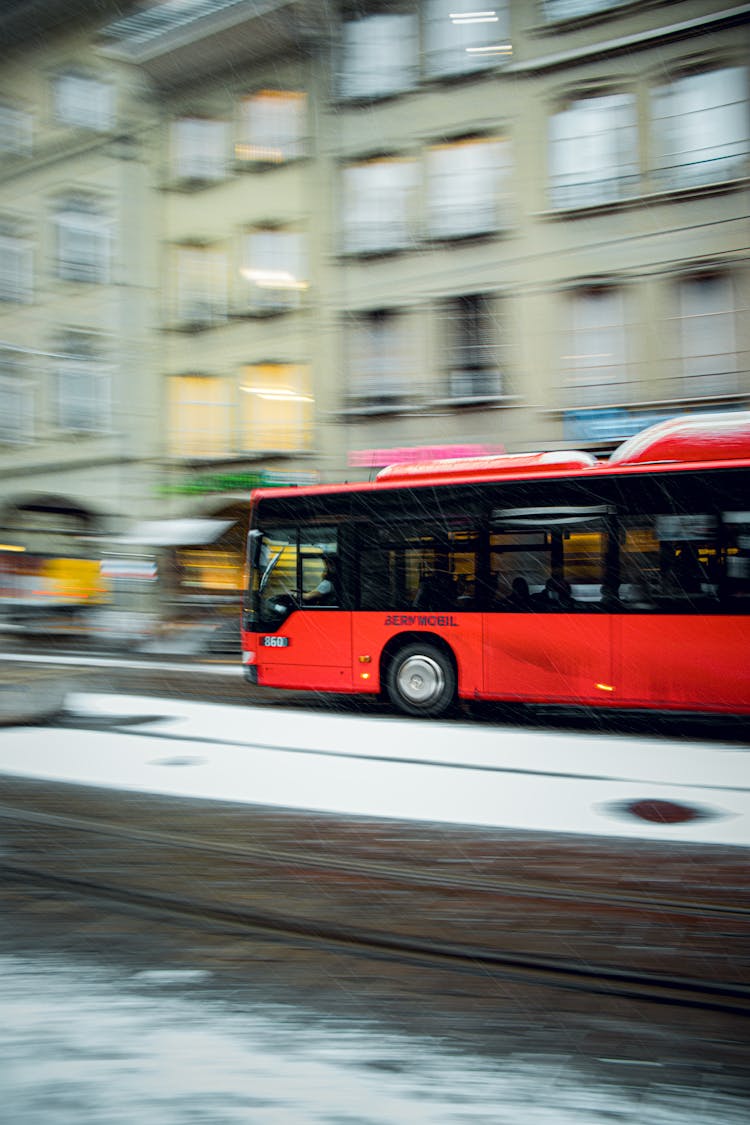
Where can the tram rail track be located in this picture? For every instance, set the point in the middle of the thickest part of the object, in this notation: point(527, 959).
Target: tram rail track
point(351, 866)
point(558, 972)
point(250, 890)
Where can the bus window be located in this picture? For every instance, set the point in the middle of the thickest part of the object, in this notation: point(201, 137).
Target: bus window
point(319, 572)
point(736, 527)
point(584, 563)
point(274, 577)
point(292, 566)
point(514, 556)
point(434, 570)
point(377, 577)
point(550, 558)
point(670, 563)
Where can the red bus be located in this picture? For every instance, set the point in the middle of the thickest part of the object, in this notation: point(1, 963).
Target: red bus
point(537, 578)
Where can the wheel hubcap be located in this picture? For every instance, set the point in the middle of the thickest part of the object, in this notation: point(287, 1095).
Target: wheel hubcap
point(420, 679)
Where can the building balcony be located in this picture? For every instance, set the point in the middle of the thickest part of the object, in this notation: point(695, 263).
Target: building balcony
point(177, 43)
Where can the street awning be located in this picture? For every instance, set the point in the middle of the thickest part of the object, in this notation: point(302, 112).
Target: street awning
point(175, 533)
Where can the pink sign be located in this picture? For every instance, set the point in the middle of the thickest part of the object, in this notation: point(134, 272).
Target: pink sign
point(378, 458)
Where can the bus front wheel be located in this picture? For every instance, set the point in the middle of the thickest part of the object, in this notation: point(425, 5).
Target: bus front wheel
point(421, 680)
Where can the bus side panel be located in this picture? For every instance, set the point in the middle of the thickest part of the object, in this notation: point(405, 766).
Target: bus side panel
point(317, 655)
point(549, 657)
point(462, 632)
point(697, 662)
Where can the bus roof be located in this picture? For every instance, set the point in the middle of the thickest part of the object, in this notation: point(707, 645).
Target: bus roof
point(698, 437)
point(690, 439)
point(489, 467)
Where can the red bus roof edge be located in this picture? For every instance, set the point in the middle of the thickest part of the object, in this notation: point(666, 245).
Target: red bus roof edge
point(691, 437)
point(684, 440)
point(494, 465)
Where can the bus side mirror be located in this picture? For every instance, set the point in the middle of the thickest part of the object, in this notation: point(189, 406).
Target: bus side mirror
point(254, 539)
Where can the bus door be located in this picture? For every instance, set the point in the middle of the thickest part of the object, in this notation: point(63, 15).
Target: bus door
point(548, 628)
point(302, 634)
point(417, 574)
point(685, 584)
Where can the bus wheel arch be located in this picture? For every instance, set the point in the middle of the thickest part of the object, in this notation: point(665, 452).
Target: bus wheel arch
point(419, 674)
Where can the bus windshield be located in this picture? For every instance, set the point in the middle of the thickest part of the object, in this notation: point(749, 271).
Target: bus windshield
point(291, 568)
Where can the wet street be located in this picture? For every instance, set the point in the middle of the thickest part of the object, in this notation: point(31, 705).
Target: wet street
point(115, 1018)
point(118, 1010)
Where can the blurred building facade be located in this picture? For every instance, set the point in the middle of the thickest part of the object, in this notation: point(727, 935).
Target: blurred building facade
point(268, 240)
point(77, 269)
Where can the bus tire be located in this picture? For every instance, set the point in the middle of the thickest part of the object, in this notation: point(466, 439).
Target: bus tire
point(421, 680)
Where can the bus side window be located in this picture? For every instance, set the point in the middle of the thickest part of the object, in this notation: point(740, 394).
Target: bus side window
point(670, 563)
point(550, 559)
point(321, 580)
point(736, 588)
point(585, 567)
point(434, 570)
point(520, 567)
point(375, 582)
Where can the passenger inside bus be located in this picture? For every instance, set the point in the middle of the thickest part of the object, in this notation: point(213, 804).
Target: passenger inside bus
point(685, 574)
point(436, 592)
point(554, 596)
point(464, 595)
point(519, 598)
point(326, 592)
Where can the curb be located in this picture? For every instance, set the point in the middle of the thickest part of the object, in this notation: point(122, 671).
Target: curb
point(28, 696)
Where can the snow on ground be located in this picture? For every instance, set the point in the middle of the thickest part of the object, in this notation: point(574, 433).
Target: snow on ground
point(100, 661)
point(457, 773)
point(100, 1046)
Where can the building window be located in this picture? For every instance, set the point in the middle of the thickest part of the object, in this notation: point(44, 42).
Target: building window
point(572, 9)
point(200, 286)
point(276, 408)
point(83, 399)
point(707, 314)
point(273, 127)
point(465, 181)
point(595, 368)
point(15, 131)
point(460, 39)
point(593, 151)
point(15, 267)
point(379, 358)
point(377, 204)
point(199, 149)
point(701, 123)
point(16, 400)
point(472, 347)
point(275, 269)
point(201, 414)
point(84, 102)
point(83, 241)
point(379, 56)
